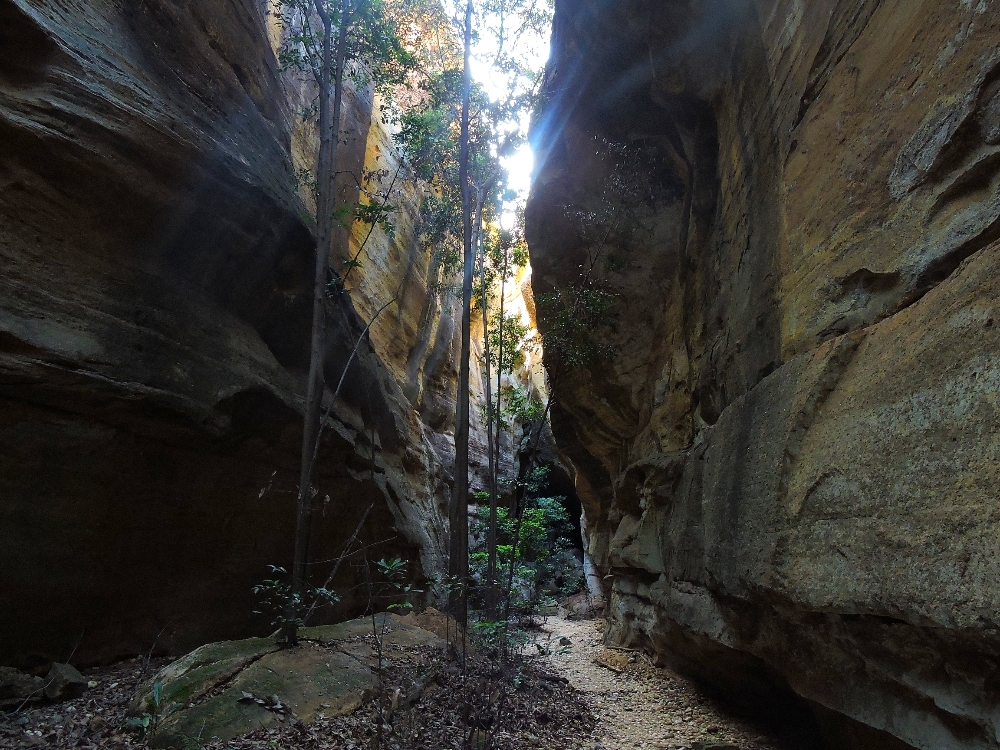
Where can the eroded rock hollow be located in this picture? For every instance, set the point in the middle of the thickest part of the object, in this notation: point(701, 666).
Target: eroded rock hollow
point(788, 453)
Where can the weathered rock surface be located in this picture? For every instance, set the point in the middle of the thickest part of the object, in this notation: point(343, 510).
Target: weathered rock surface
point(154, 324)
point(16, 688)
point(790, 461)
point(64, 682)
point(226, 689)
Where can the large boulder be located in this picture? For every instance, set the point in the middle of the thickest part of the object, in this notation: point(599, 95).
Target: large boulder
point(223, 690)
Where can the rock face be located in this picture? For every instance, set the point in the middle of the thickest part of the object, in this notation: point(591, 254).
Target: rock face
point(790, 459)
point(155, 309)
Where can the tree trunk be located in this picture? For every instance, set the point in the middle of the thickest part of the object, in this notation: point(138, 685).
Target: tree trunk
point(329, 127)
point(458, 515)
point(497, 416)
point(491, 535)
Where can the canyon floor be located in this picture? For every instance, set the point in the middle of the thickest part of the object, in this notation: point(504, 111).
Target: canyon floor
point(638, 705)
point(574, 694)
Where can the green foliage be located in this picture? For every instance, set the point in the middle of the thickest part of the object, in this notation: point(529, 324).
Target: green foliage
point(509, 341)
point(441, 234)
point(517, 406)
point(375, 56)
point(305, 178)
point(443, 587)
point(546, 531)
point(523, 407)
point(513, 22)
point(488, 630)
point(574, 315)
point(375, 53)
point(578, 316)
point(504, 253)
point(496, 636)
point(375, 212)
point(393, 570)
point(557, 522)
point(614, 263)
point(149, 722)
point(535, 480)
point(429, 136)
point(394, 573)
point(342, 215)
point(276, 599)
point(350, 263)
point(429, 133)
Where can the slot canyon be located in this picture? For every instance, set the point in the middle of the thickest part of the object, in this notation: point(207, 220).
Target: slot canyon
point(780, 457)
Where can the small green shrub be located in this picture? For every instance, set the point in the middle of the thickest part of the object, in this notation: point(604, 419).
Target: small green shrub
point(542, 557)
point(277, 599)
point(149, 722)
point(394, 573)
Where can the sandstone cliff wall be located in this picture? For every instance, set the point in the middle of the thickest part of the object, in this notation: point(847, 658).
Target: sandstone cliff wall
point(790, 463)
point(155, 307)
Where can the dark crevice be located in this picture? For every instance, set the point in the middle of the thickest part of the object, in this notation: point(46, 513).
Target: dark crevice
point(256, 412)
point(939, 270)
point(968, 136)
point(935, 273)
point(866, 281)
point(226, 680)
point(11, 344)
point(977, 178)
point(26, 51)
point(744, 683)
point(836, 43)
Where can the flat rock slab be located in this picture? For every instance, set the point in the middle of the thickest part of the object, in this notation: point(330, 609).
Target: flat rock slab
point(191, 677)
point(224, 690)
point(308, 679)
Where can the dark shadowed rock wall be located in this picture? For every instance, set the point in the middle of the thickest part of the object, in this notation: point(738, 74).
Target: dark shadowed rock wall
point(790, 459)
point(155, 305)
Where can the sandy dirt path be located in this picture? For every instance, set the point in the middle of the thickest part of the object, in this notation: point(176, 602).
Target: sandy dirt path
point(637, 704)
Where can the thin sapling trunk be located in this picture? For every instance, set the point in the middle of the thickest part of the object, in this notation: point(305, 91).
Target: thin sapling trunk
point(329, 127)
point(495, 448)
point(458, 565)
point(491, 537)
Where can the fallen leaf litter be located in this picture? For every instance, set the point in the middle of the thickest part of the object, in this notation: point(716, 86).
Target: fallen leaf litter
point(571, 694)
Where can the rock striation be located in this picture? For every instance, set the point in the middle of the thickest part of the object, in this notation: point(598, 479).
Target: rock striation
point(788, 457)
point(155, 309)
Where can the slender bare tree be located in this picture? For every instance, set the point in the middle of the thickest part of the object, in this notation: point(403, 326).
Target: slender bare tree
point(458, 516)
